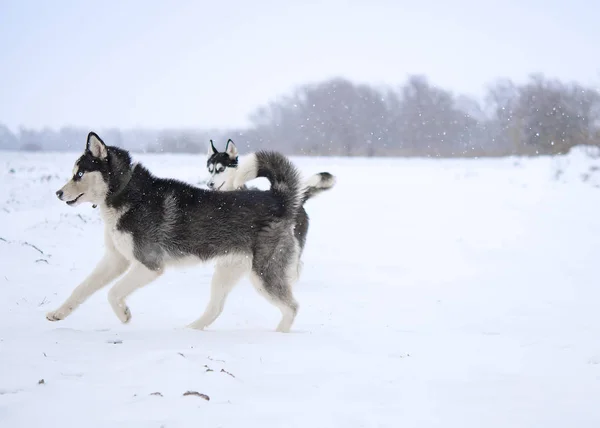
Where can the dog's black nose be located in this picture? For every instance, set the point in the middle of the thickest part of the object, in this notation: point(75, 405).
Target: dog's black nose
point(211, 184)
point(59, 193)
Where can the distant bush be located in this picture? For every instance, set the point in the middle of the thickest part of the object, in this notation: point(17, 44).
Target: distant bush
point(342, 118)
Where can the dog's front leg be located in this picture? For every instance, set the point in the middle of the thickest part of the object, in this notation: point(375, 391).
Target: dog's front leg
point(224, 279)
point(110, 267)
point(137, 277)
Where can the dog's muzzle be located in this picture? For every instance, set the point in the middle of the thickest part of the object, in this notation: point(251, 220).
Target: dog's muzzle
point(60, 194)
point(71, 202)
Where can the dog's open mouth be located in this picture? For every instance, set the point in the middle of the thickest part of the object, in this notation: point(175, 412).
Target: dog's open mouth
point(74, 200)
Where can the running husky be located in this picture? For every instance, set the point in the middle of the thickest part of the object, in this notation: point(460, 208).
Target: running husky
point(152, 223)
point(226, 176)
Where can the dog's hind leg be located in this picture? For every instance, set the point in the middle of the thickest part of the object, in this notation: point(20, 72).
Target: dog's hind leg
point(138, 276)
point(226, 276)
point(277, 290)
point(110, 267)
point(275, 269)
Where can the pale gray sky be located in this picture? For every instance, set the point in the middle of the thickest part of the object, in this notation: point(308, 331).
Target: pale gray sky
point(196, 63)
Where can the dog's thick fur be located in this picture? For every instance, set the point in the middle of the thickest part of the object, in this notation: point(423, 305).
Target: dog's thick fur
point(152, 223)
point(227, 174)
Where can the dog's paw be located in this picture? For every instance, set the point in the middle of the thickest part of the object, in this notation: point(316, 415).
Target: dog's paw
point(197, 325)
point(284, 327)
point(124, 314)
point(119, 307)
point(57, 315)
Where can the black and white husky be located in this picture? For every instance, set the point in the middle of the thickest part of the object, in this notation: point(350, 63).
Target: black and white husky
point(226, 174)
point(152, 223)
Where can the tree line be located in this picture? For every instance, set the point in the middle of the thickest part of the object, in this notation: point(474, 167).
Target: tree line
point(343, 118)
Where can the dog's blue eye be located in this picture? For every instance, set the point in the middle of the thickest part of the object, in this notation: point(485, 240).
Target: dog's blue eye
point(80, 174)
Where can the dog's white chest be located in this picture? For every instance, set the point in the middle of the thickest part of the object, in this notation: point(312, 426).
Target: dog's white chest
point(122, 242)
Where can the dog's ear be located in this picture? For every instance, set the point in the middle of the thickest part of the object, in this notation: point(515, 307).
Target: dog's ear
point(211, 149)
point(231, 149)
point(96, 146)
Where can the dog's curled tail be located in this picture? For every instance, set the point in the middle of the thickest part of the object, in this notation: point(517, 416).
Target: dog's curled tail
point(316, 184)
point(281, 173)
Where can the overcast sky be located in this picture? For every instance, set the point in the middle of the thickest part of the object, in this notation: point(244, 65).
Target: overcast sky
point(195, 63)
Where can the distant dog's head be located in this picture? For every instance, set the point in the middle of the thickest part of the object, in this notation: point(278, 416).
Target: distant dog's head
point(100, 170)
point(221, 166)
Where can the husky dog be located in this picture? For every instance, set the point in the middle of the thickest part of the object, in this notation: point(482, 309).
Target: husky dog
point(152, 223)
point(225, 176)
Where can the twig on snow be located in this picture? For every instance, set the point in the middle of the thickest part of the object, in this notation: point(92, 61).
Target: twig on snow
point(197, 394)
point(225, 371)
point(34, 247)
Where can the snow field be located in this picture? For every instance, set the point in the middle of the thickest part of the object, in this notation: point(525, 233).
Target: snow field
point(435, 293)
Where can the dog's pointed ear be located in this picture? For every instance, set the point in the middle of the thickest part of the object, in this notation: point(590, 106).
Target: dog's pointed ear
point(211, 149)
point(96, 146)
point(231, 149)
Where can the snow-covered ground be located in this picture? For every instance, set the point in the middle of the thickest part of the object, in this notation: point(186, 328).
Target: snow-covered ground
point(435, 293)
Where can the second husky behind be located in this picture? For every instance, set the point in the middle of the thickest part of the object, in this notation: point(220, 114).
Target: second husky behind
point(227, 174)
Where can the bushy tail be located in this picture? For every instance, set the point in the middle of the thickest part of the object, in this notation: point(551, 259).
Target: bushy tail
point(316, 184)
point(281, 173)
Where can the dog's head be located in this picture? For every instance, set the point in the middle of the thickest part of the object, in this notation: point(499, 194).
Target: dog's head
point(99, 171)
point(222, 166)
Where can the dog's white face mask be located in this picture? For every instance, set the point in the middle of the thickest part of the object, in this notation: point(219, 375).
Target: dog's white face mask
point(222, 166)
point(87, 183)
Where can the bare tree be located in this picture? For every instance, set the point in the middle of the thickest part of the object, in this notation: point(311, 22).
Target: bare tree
point(340, 117)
